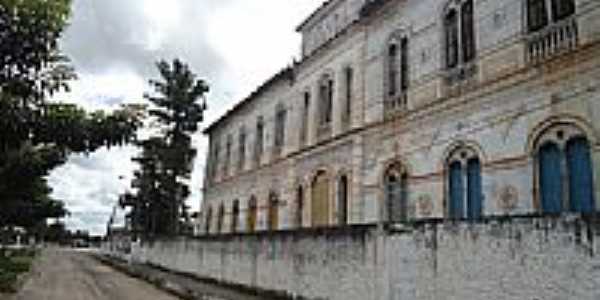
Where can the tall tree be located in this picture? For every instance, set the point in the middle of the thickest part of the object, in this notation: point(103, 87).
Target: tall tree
point(37, 136)
point(167, 160)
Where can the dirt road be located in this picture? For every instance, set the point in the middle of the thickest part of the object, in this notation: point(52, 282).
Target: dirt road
point(70, 275)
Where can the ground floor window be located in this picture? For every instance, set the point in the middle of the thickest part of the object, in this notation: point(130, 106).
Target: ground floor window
point(565, 172)
point(465, 197)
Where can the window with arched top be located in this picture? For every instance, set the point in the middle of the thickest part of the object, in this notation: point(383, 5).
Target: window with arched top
point(465, 195)
point(343, 199)
point(273, 212)
point(252, 215)
point(396, 193)
point(564, 170)
point(220, 218)
point(299, 206)
point(235, 216)
point(208, 220)
point(320, 200)
point(459, 36)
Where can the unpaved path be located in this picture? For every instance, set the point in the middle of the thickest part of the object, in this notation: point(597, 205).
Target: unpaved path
point(71, 275)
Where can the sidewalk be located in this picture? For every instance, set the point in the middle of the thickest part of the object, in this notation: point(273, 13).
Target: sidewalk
point(186, 286)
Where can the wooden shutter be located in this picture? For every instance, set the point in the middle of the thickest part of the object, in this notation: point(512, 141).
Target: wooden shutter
point(550, 178)
point(581, 183)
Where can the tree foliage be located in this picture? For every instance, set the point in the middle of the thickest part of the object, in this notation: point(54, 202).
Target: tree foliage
point(167, 160)
point(36, 136)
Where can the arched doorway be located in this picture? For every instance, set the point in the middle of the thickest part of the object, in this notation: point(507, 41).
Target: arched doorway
point(252, 214)
point(299, 206)
point(343, 200)
point(320, 200)
point(273, 212)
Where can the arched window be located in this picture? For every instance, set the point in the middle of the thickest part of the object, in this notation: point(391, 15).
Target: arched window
point(465, 196)
point(273, 212)
point(208, 220)
point(235, 216)
point(220, 218)
point(251, 215)
point(320, 200)
point(299, 206)
point(565, 171)
point(459, 33)
point(396, 193)
point(343, 200)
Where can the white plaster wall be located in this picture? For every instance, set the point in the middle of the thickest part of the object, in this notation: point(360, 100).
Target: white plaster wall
point(521, 258)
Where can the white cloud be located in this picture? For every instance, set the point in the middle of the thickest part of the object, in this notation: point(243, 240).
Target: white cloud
point(234, 44)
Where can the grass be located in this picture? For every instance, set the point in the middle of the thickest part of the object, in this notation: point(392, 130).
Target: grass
point(12, 265)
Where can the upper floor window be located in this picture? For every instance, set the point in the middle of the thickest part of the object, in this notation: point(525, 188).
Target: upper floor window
point(325, 100)
point(397, 78)
point(215, 159)
point(551, 29)
point(541, 13)
point(259, 143)
point(227, 155)
point(459, 33)
point(242, 148)
point(465, 196)
point(305, 118)
point(349, 78)
point(280, 120)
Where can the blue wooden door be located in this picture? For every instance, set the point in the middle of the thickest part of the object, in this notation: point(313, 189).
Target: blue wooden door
point(474, 194)
point(581, 183)
point(456, 188)
point(550, 178)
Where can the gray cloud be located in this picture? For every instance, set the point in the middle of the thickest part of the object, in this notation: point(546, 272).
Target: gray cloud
point(114, 44)
point(116, 34)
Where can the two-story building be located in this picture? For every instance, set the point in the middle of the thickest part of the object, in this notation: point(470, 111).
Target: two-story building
point(401, 110)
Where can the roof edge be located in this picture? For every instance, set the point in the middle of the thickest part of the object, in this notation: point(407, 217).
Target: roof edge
point(286, 73)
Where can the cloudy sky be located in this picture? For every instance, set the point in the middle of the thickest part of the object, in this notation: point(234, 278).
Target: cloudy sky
point(234, 44)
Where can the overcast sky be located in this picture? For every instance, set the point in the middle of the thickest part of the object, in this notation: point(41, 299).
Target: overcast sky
point(234, 44)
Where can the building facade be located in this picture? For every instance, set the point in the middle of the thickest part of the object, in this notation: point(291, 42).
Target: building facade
point(408, 110)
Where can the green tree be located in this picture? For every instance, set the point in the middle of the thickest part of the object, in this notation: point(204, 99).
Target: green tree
point(37, 136)
point(167, 160)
